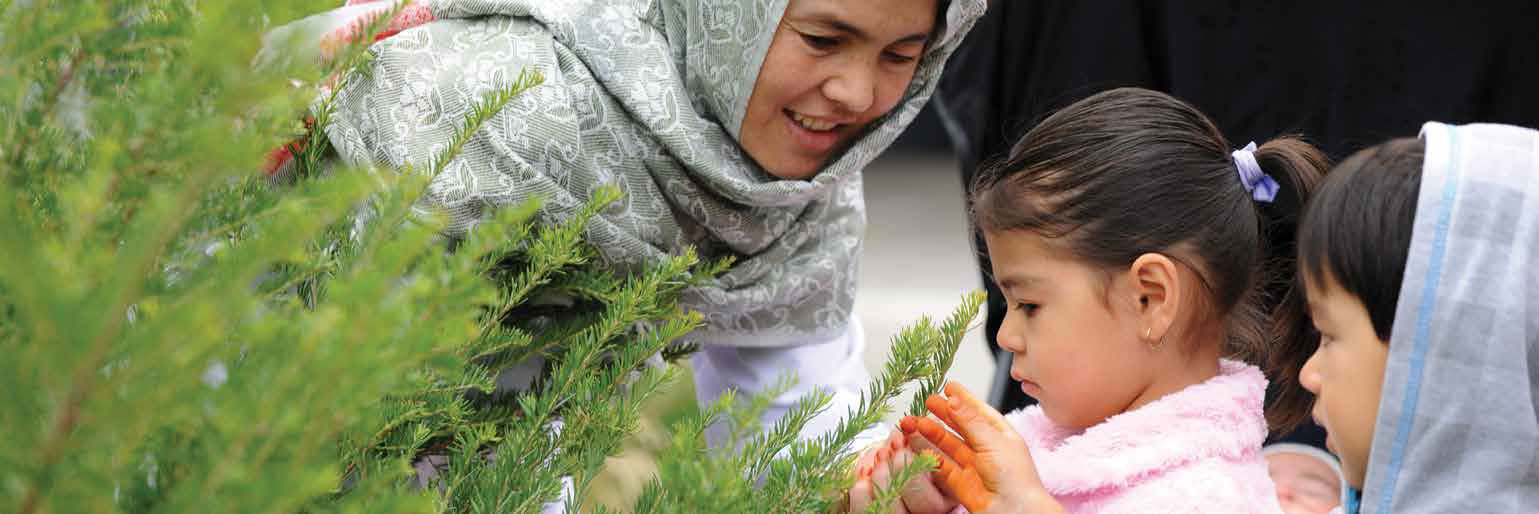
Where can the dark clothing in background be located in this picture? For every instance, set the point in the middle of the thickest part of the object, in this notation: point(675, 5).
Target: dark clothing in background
point(1346, 75)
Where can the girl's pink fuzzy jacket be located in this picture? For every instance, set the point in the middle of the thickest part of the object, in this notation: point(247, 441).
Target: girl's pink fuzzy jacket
point(1196, 450)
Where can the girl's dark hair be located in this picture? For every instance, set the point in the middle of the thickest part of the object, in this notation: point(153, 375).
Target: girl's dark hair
point(1357, 228)
point(1132, 171)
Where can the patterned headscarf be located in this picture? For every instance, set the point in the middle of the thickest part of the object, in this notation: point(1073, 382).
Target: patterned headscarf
point(646, 95)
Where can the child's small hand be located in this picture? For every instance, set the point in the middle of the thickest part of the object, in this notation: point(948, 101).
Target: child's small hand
point(877, 467)
point(989, 468)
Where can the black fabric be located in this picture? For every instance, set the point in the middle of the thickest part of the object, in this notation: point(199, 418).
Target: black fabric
point(1345, 74)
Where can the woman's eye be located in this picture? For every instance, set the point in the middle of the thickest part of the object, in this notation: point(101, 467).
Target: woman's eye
point(820, 42)
point(897, 58)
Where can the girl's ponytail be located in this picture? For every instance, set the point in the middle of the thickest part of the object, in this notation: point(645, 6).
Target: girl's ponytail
point(1298, 168)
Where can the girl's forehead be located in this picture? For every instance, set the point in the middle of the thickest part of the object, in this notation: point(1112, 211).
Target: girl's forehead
point(1028, 251)
point(1027, 261)
point(1019, 241)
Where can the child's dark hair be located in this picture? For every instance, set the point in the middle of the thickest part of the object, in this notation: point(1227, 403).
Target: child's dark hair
point(1132, 171)
point(1357, 228)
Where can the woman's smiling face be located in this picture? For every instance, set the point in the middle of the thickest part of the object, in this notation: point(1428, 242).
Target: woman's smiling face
point(833, 67)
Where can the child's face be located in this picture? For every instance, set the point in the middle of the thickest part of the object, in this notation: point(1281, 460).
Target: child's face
point(1077, 349)
point(1345, 374)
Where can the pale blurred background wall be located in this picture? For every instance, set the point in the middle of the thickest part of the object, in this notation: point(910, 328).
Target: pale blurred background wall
point(918, 258)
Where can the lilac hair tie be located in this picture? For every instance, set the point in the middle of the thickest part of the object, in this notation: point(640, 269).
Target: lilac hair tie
point(1261, 186)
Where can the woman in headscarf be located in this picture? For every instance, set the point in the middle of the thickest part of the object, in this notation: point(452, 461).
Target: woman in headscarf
point(737, 127)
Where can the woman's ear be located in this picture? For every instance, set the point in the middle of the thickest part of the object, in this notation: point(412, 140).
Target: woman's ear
point(1156, 285)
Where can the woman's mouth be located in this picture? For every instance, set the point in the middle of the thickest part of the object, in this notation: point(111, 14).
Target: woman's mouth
point(812, 123)
point(814, 134)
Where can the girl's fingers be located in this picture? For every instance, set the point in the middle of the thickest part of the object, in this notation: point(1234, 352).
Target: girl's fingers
point(860, 495)
point(920, 494)
point(917, 443)
point(941, 408)
point(984, 429)
point(942, 439)
point(988, 433)
point(964, 405)
point(961, 484)
point(879, 474)
point(895, 462)
point(863, 464)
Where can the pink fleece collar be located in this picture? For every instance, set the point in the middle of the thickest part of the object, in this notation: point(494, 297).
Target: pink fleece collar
point(1221, 418)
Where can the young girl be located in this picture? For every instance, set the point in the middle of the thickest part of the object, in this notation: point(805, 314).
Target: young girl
point(1136, 251)
point(1420, 259)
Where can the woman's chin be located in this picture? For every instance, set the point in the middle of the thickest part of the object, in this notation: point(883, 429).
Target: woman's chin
point(794, 169)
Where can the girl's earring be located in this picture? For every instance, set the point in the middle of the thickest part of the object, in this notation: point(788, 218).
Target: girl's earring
point(1149, 338)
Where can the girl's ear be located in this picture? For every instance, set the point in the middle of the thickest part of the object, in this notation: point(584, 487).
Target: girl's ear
point(1158, 295)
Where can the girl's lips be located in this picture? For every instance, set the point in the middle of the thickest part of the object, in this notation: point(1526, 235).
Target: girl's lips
point(1030, 388)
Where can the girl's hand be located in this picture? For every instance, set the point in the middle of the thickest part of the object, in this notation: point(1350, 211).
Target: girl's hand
point(881, 463)
point(989, 468)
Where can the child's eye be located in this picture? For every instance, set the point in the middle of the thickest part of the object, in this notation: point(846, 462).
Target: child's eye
point(820, 42)
point(1028, 308)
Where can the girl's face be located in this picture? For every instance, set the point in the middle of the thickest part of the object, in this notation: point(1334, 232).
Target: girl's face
point(833, 67)
point(1077, 337)
point(1345, 373)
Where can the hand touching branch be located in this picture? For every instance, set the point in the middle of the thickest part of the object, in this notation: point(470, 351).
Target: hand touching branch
point(988, 468)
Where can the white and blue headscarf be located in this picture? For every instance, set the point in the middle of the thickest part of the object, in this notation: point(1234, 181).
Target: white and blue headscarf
point(1458, 420)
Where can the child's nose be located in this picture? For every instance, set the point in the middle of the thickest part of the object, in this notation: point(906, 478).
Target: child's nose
point(1010, 336)
point(1309, 375)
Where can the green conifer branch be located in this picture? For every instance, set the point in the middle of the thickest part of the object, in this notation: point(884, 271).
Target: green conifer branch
point(951, 332)
point(480, 113)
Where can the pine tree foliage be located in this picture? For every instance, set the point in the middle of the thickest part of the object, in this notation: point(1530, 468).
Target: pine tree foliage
point(771, 471)
point(183, 334)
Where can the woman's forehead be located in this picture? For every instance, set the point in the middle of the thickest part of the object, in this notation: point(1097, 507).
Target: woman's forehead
point(869, 19)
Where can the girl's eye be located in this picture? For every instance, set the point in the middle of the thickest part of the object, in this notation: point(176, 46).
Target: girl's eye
point(1028, 308)
point(820, 42)
point(897, 58)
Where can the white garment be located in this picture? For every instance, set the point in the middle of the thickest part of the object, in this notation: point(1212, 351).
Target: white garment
point(836, 366)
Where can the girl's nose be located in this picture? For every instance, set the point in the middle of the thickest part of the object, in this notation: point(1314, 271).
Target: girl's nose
point(1309, 375)
point(1010, 336)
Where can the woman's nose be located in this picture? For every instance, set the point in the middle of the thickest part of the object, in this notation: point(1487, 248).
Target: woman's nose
point(853, 87)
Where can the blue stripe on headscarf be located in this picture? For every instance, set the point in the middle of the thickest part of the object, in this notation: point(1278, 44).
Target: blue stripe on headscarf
point(1418, 359)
